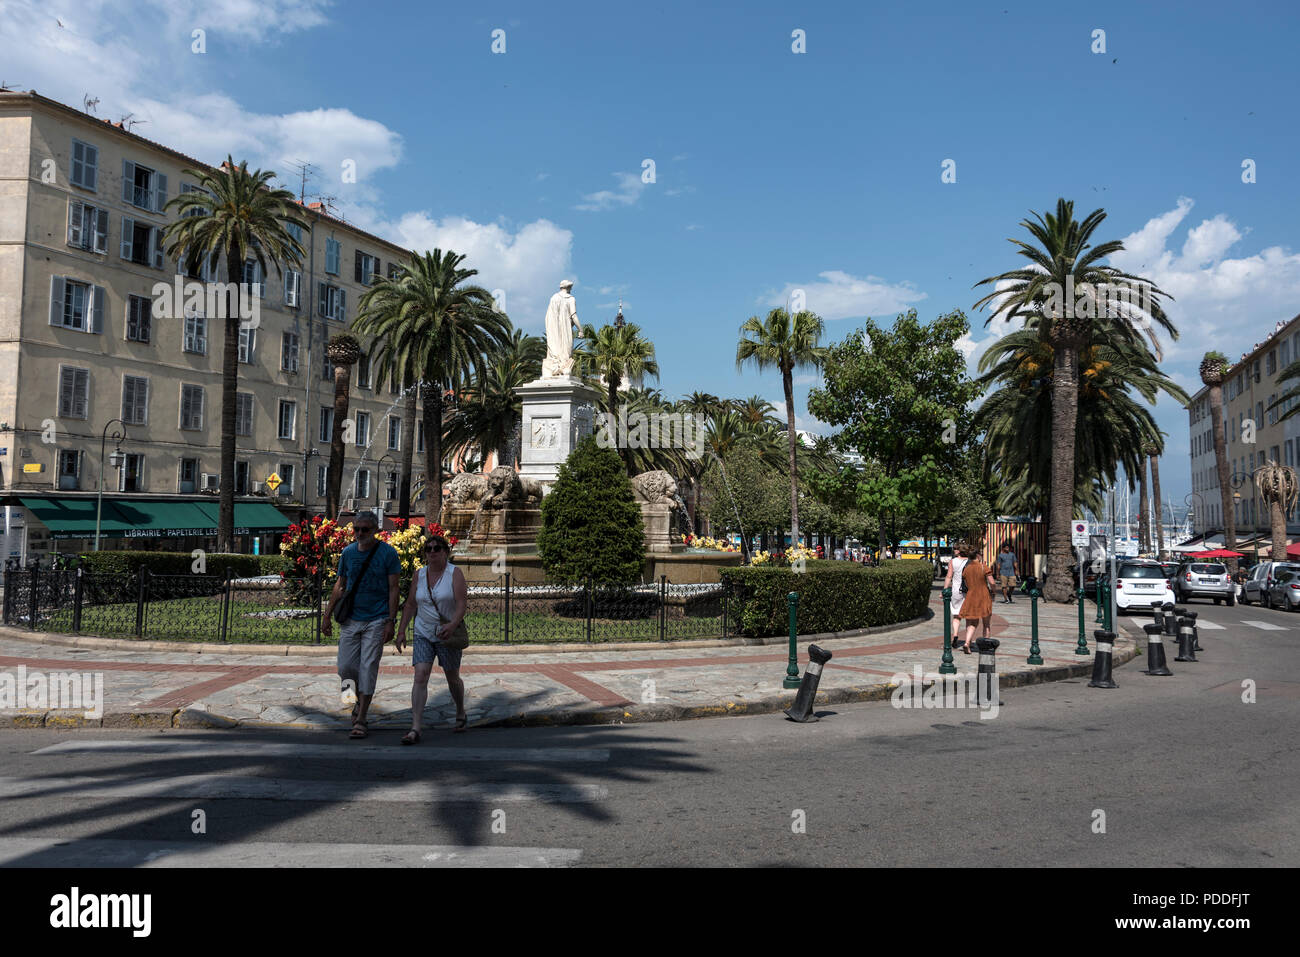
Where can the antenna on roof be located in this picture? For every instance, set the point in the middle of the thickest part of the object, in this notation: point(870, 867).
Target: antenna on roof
point(127, 121)
point(7, 87)
point(330, 204)
point(88, 103)
point(304, 169)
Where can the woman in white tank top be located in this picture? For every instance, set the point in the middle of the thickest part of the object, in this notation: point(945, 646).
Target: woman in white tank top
point(437, 603)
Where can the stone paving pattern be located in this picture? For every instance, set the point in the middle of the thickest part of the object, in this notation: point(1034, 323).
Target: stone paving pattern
point(146, 686)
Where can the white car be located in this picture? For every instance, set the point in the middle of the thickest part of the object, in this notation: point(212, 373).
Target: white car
point(1142, 585)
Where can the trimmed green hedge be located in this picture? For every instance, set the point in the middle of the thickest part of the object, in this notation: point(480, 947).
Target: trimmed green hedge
point(833, 596)
point(180, 563)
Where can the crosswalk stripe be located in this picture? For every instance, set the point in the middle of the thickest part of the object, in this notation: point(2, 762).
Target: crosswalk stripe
point(1264, 626)
point(102, 852)
point(216, 786)
point(253, 750)
point(1208, 626)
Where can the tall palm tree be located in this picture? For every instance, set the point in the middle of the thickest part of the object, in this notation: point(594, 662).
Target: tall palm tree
point(1153, 451)
point(235, 217)
point(1279, 486)
point(442, 330)
point(786, 343)
point(489, 413)
point(1064, 263)
point(379, 313)
point(756, 411)
point(1144, 515)
point(1214, 369)
point(615, 353)
point(343, 351)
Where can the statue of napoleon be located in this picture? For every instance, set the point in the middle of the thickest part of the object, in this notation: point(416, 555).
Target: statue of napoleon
point(561, 323)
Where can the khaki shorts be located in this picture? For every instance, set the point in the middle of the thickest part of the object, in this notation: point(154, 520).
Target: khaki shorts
point(1008, 581)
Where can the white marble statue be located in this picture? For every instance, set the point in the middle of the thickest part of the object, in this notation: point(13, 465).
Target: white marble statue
point(561, 323)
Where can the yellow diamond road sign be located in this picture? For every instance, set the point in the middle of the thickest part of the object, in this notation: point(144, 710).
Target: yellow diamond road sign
point(273, 481)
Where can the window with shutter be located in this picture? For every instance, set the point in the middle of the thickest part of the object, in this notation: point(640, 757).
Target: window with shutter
point(128, 238)
point(292, 287)
point(85, 165)
point(247, 342)
point(394, 434)
point(75, 237)
point(356, 273)
point(128, 182)
point(333, 253)
point(74, 392)
point(244, 413)
point(57, 293)
point(326, 424)
point(288, 417)
point(289, 352)
point(138, 317)
point(159, 192)
point(191, 407)
point(196, 335)
point(135, 400)
point(97, 305)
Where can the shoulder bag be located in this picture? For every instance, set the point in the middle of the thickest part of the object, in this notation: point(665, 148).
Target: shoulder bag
point(343, 610)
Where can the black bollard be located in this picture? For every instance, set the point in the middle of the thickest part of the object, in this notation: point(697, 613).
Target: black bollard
point(1171, 621)
point(986, 674)
point(1156, 664)
point(1101, 664)
point(1196, 636)
point(802, 709)
point(1186, 641)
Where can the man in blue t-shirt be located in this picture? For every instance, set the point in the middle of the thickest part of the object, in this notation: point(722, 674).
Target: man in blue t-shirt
point(374, 613)
point(1007, 570)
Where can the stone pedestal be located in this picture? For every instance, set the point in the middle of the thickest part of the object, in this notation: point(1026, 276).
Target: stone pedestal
point(557, 414)
point(657, 521)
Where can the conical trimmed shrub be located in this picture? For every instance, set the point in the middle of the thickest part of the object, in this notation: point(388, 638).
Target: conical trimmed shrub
point(591, 523)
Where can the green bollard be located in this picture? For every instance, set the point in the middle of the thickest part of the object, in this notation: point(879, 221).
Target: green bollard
point(1082, 643)
point(792, 679)
point(1082, 649)
point(947, 667)
point(1035, 653)
point(1102, 604)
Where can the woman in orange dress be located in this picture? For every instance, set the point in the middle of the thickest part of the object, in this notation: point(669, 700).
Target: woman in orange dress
point(977, 608)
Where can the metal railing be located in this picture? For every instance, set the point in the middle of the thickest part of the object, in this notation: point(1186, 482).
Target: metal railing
point(287, 610)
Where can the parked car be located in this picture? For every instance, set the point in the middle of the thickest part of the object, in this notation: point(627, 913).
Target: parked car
point(1142, 584)
point(1261, 578)
point(1284, 593)
point(1204, 580)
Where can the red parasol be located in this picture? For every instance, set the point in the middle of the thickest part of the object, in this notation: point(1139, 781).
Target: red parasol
point(1218, 553)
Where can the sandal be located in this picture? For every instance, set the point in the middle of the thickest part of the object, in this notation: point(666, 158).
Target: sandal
point(411, 737)
point(359, 730)
point(460, 723)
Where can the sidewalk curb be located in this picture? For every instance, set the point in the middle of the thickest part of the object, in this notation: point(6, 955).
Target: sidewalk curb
point(98, 643)
point(199, 718)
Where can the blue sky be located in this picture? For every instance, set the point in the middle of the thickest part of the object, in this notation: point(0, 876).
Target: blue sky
point(773, 170)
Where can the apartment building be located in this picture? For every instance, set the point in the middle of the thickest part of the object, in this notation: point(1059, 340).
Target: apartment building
point(1254, 435)
point(81, 221)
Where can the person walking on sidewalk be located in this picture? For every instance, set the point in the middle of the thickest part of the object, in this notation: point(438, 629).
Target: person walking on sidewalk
point(953, 580)
point(977, 609)
point(1007, 572)
point(368, 574)
point(437, 602)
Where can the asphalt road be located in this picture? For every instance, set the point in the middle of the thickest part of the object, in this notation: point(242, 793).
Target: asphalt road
point(1181, 771)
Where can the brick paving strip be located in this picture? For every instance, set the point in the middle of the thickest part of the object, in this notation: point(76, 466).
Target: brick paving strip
point(541, 686)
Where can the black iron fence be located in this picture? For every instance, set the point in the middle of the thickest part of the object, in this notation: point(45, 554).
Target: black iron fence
point(271, 609)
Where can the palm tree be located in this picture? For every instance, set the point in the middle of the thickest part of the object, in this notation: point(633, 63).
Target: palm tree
point(1065, 263)
point(1144, 526)
point(235, 217)
point(756, 412)
point(1279, 486)
point(489, 413)
point(1214, 369)
point(615, 353)
point(785, 343)
point(343, 351)
point(1153, 450)
point(441, 331)
point(379, 314)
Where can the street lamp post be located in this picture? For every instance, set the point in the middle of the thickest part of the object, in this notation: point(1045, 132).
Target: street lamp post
point(1237, 480)
point(379, 471)
point(1197, 510)
point(117, 458)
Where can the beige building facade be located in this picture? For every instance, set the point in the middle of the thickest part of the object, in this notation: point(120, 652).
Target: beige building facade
point(1254, 434)
point(81, 266)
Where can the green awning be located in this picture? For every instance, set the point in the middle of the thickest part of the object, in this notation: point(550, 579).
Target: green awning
point(129, 518)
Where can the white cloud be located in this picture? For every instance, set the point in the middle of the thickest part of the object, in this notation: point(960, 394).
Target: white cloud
point(628, 192)
point(527, 264)
point(1216, 298)
point(841, 296)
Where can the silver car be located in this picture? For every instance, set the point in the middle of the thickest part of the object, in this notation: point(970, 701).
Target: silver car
point(1261, 579)
point(1204, 580)
point(1284, 593)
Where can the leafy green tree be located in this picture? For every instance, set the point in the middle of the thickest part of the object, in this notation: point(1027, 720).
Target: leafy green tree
point(900, 398)
point(1064, 263)
point(489, 413)
point(235, 216)
point(615, 353)
point(785, 343)
point(591, 524)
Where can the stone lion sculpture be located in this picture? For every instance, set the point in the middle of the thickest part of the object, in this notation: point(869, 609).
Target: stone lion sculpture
point(506, 487)
point(655, 488)
point(466, 490)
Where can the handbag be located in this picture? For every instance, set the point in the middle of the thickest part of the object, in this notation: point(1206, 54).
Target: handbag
point(964, 589)
point(343, 610)
point(459, 639)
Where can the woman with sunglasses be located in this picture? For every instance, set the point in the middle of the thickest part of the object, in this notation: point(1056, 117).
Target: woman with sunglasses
point(437, 602)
